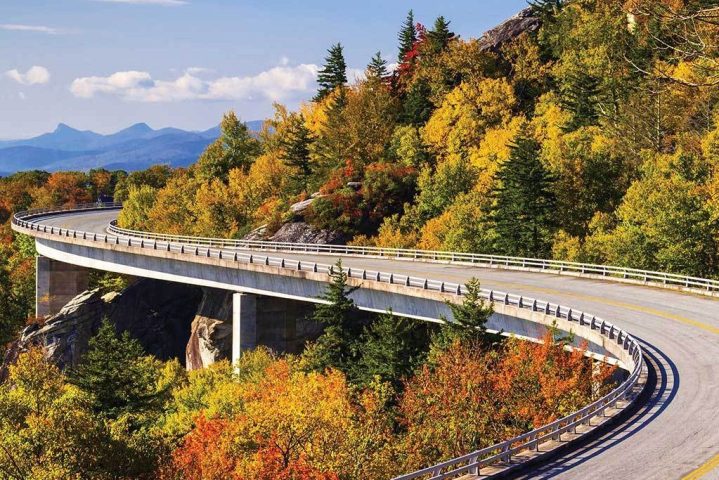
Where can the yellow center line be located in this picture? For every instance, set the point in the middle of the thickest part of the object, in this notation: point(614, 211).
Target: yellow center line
point(629, 306)
point(713, 462)
point(703, 470)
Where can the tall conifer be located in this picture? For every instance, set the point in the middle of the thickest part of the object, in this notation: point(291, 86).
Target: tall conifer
point(377, 67)
point(407, 36)
point(296, 147)
point(440, 36)
point(523, 210)
point(333, 74)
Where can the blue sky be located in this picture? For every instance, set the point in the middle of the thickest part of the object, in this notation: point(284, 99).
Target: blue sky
point(106, 64)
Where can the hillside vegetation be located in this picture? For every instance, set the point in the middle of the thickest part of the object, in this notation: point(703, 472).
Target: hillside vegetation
point(592, 138)
point(583, 130)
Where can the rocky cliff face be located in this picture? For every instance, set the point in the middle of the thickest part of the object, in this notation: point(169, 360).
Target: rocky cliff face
point(158, 314)
point(170, 320)
point(211, 331)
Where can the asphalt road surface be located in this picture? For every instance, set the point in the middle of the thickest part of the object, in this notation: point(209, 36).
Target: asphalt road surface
point(674, 435)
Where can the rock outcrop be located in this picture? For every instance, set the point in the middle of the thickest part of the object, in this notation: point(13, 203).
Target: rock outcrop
point(509, 30)
point(211, 331)
point(303, 232)
point(158, 314)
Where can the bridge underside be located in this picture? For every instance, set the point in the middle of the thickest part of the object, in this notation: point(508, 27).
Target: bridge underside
point(249, 280)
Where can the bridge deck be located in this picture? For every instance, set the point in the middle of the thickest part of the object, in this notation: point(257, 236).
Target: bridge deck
point(674, 434)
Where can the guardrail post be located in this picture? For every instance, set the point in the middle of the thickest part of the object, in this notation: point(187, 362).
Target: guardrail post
point(391, 278)
point(441, 287)
point(299, 265)
point(520, 301)
point(378, 277)
point(314, 267)
point(406, 281)
point(282, 263)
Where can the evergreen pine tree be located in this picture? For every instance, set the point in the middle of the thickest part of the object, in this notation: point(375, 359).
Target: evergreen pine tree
point(417, 107)
point(546, 9)
point(336, 346)
point(334, 73)
point(440, 36)
point(391, 349)
point(116, 373)
point(407, 36)
point(469, 319)
point(377, 67)
point(296, 147)
point(523, 211)
point(580, 97)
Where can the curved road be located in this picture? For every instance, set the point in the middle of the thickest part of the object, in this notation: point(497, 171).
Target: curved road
point(674, 435)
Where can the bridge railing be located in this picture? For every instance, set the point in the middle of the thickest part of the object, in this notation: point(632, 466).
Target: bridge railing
point(471, 463)
point(701, 285)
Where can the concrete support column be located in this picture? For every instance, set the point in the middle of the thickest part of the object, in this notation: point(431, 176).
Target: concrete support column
point(244, 324)
point(56, 284)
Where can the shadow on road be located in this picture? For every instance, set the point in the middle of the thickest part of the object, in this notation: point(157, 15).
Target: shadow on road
point(662, 387)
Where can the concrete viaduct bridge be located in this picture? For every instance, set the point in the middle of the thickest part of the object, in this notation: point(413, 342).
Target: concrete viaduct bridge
point(661, 422)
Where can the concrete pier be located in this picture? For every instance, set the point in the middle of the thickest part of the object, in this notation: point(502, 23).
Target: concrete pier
point(244, 324)
point(56, 284)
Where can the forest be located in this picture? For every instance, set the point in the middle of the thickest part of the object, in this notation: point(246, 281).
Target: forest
point(592, 136)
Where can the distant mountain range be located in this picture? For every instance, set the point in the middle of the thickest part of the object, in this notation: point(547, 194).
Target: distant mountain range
point(134, 148)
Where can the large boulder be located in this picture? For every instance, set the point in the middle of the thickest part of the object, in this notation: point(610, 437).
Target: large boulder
point(509, 30)
point(303, 232)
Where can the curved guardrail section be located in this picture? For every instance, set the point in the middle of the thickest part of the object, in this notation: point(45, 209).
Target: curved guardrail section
point(702, 286)
point(469, 464)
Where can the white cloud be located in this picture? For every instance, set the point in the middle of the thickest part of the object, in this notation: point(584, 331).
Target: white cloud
point(34, 76)
point(278, 83)
point(29, 28)
point(165, 3)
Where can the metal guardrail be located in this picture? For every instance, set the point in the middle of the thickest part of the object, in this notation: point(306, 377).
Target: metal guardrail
point(471, 463)
point(701, 285)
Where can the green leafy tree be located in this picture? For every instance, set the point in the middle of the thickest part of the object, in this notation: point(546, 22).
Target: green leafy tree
point(334, 73)
point(468, 322)
point(407, 36)
point(523, 211)
point(377, 67)
point(236, 148)
point(336, 347)
point(11, 317)
point(295, 144)
point(117, 373)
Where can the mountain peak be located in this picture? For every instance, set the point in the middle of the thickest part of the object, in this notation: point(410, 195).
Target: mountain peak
point(141, 127)
point(63, 127)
